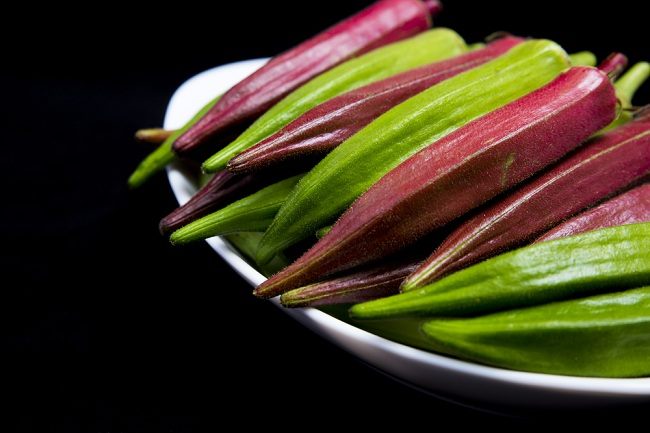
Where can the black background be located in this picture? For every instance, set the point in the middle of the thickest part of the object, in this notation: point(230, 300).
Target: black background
point(104, 326)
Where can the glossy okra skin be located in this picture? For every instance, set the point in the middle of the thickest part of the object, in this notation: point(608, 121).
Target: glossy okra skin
point(461, 171)
point(595, 171)
point(253, 213)
point(430, 46)
point(628, 208)
point(356, 164)
point(223, 188)
point(363, 285)
point(602, 336)
point(607, 259)
point(325, 126)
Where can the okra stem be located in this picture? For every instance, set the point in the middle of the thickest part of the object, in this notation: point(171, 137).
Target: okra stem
point(613, 65)
point(629, 83)
point(153, 135)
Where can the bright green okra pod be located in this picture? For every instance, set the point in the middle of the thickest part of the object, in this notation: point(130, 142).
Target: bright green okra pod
point(163, 155)
point(607, 259)
point(359, 162)
point(428, 47)
point(253, 213)
point(606, 336)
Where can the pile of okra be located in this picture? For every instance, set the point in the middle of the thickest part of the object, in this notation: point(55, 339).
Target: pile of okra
point(486, 201)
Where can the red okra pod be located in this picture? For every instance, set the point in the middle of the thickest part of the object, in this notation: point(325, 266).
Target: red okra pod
point(363, 285)
point(327, 125)
point(383, 22)
point(627, 208)
point(600, 168)
point(458, 173)
point(223, 188)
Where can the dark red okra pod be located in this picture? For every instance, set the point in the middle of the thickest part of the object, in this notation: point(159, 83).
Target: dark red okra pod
point(598, 169)
point(223, 188)
point(627, 208)
point(458, 173)
point(363, 285)
point(383, 22)
point(327, 125)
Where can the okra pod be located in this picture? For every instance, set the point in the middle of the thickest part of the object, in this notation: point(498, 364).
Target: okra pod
point(356, 164)
point(603, 336)
point(600, 168)
point(363, 285)
point(628, 208)
point(613, 258)
point(325, 126)
point(376, 65)
point(250, 214)
point(223, 188)
point(384, 22)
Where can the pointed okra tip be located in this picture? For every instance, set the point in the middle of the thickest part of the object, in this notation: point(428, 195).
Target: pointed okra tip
point(270, 288)
point(295, 299)
point(377, 309)
point(177, 238)
point(443, 331)
point(152, 164)
point(215, 163)
point(265, 292)
point(136, 179)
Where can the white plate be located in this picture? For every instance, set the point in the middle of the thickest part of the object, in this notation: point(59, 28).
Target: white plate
point(468, 382)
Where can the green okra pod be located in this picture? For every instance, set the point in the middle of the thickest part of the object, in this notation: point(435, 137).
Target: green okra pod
point(604, 336)
point(250, 214)
point(363, 285)
point(607, 259)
